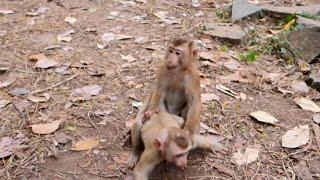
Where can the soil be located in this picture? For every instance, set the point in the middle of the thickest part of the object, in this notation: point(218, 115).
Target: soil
point(125, 82)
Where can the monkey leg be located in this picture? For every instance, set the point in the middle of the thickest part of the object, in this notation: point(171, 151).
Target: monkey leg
point(203, 142)
point(136, 134)
point(148, 160)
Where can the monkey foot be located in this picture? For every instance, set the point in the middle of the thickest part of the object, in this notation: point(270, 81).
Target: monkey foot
point(147, 115)
point(133, 159)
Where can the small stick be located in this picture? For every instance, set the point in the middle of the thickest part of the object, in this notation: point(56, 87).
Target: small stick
point(55, 85)
point(316, 131)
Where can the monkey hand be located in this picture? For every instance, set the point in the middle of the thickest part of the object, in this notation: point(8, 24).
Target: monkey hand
point(217, 147)
point(147, 115)
point(132, 161)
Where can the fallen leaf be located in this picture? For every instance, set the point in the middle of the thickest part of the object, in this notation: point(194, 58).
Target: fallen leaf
point(62, 38)
point(6, 83)
point(91, 90)
point(22, 105)
point(208, 97)
point(108, 37)
point(206, 55)
point(9, 144)
point(19, 91)
point(6, 11)
point(307, 104)
point(38, 99)
point(226, 90)
point(4, 103)
point(264, 117)
point(47, 128)
point(61, 138)
point(140, 40)
point(284, 91)
point(250, 155)
point(206, 129)
point(70, 20)
point(121, 159)
point(42, 61)
point(316, 118)
point(40, 10)
point(85, 145)
point(296, 137)
point(102, 113)
point(128, 58)
point(161, 15)
point(137, 104)
point(300, 87)
point(289, 24)
point(243, 97)
point(232, 65)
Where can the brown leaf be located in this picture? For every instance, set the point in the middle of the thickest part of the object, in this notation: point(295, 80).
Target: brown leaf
point(42, 61)
point(38, 99)
point(6, 83)
point(121, 159)
point(307, 104)
point(91, 90)
point(8, 144)
point(85, 145)
point(296, 137)
point(47, 128)
point(4, 103)
point(250, 155)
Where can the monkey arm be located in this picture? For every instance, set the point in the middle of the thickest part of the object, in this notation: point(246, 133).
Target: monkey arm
point(148, 160)
point(194, 103)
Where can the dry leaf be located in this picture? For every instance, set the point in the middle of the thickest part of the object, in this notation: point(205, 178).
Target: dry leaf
point(128, 58)
point(206, 55)
point(8, 144)
point(19, 91)
point(243, 97)
point(226, 90)
point(232, 65)
point(289, 24)
point(62, 38)
point(161, 15)
point(208, 97)
point(70, 20)
point(6, 83)
point(250, 155)
point(307, 104)
point(38, 99)
point(85, 145)
point(42, 61)
point(296, 137)
point(6, 11)
point(4, 103)
point(137, 104)
point(121, 159)
point(264, 117)
point(91, 90)
point(46, 128)
point(316, 118)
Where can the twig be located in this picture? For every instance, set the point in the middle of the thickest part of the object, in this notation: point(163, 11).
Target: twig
point(223, 169)
point(55, 85)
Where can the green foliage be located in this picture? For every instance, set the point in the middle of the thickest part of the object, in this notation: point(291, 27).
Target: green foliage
point(286, 19)
point(309, 16)
point(249, 56)
point(223, 14)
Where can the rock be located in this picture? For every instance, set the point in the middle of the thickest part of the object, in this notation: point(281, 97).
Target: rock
point(242, 8)
point(300, 87)
point(233, 33)
point(316, 118)
point(310, 9)
point(314, 80)
point(304, 44)
point(307, 23)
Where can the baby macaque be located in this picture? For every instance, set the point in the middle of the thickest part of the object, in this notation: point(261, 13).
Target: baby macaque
point(164, 140)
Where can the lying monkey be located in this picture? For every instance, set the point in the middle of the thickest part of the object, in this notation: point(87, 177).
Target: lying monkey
point(164, 139)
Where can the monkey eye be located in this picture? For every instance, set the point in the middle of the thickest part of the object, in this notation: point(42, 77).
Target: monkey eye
point(170, 51)
point(178, 53)
point(179, 155)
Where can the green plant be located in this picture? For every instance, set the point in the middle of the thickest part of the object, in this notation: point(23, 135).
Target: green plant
point(309, 16)
point(249, 56)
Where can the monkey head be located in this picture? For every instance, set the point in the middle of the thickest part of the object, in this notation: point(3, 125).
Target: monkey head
point(180, 53)
point(174, 145)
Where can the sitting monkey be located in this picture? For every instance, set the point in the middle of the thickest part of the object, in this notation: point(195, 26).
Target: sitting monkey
point(163, 139)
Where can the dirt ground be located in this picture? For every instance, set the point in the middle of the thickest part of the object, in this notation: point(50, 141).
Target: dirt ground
point(126, 81)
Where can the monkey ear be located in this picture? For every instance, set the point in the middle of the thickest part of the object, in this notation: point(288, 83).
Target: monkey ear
point(157, 143)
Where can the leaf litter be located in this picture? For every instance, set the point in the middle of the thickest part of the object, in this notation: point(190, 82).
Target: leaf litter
point(46, 128)
point(296, 137)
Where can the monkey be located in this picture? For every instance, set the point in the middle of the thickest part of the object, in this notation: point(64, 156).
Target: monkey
point(177, 88)
point(177, 91)
point(164, 139)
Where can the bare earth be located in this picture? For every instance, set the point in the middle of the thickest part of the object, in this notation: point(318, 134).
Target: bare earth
point(125, 81)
